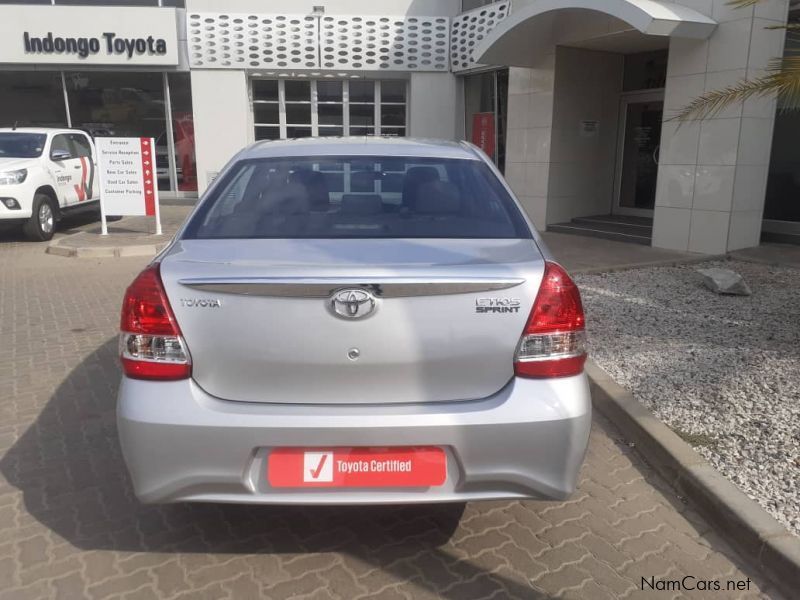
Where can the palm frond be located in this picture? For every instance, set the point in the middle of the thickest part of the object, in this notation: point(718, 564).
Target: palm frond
point(787, 27)
point(781, 80)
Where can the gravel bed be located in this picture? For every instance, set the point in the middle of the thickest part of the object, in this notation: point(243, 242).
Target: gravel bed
point(722, 371)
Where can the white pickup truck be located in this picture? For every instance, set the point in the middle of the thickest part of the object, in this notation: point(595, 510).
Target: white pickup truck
point(45, 173)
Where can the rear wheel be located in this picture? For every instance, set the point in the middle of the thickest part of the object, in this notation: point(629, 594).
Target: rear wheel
point(42, 224)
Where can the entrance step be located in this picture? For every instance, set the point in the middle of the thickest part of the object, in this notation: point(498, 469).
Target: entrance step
point(620, 228)
point(780, 238)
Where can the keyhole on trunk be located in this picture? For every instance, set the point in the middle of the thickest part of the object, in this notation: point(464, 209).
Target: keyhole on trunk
point(353, 353)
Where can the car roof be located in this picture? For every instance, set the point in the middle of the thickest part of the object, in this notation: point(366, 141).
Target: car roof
point(45, 130)
point(360, 146)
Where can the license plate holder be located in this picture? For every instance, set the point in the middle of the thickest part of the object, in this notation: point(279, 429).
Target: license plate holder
point(357, 467)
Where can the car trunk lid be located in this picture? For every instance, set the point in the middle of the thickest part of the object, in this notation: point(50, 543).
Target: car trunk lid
point(260, 324)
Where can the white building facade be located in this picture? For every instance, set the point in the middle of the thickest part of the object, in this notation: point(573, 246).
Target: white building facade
point(572, 98)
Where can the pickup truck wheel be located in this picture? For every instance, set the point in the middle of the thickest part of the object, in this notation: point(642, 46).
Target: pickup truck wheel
point(42, 224)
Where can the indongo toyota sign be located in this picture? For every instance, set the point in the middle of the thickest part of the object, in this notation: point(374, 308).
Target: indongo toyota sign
point(84, 46)
point(91, 35)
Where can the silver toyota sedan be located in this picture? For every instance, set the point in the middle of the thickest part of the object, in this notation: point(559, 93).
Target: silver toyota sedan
point(354, 320)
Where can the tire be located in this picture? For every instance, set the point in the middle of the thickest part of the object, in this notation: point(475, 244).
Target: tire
point(42, 224)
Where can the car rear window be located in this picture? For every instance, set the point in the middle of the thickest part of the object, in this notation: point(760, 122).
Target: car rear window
point(358, 197)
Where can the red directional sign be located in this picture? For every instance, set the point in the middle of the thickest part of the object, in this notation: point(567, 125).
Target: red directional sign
point(148, 180)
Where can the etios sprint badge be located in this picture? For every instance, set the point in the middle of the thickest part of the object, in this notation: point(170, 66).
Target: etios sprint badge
point(497, 305)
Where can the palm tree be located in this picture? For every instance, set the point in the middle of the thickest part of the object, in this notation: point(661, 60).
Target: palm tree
point(782, 79)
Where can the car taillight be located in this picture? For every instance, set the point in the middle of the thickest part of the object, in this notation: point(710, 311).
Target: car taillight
point(553, 343)
point(150, 343)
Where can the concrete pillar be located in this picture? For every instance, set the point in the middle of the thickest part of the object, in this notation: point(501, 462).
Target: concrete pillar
point(558, 169)
point(712, 174)
point(530, 128)
point(431, 102)
point(222, 119)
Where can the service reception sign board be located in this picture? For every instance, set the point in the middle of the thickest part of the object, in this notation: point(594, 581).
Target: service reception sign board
point(128, 183)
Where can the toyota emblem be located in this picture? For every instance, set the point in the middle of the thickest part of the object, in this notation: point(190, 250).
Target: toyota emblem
point(352, 303)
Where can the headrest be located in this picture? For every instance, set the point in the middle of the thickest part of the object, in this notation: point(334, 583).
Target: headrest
point(361, 204)
point(316, 187)
point(438, 198)
point(420, 174)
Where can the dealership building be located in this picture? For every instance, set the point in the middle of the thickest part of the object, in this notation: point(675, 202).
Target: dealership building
point(573, 99)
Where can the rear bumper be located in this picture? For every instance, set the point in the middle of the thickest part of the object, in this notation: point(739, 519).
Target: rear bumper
point(180, 444)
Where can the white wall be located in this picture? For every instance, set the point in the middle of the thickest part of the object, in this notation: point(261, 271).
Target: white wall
point(587, 88)
point(530, 127)
point(432, 106)
point(557, 172)
point(342, 7)
point(222, 124)
point(712, 174)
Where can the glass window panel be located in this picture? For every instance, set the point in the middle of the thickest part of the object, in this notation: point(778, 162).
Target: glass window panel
point(362, 91)
point(266, 113)
point(32, 99)
point(268, 133)
point(335, 182)
point(119, 104)
point(180, 93)
point(645, 71)
point(393, 91)
point(298, 90)
point(329, 91)
point(80, 145)
point(362, 131)
point(108, 2)
point(298, 114)
point(298, 132)
point(479, 99)
point(330, 114)
point(502, 117)
point(362, 114)
point(445, 198)
point(60, 143)
point(330, 131)
point(392, 182)
point(783, 184)
point(393, 115)
point(265, 89)
point(122, 104)
point(393, 131)
point(470, 4)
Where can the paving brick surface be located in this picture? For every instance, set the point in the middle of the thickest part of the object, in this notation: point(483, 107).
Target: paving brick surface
point(71, 528)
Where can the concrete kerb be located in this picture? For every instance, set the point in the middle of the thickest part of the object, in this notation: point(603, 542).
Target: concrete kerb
point(105, 251)
point(668, 262)
point(747, 527)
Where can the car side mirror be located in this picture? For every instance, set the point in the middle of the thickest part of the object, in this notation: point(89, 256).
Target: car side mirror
point(59, 155)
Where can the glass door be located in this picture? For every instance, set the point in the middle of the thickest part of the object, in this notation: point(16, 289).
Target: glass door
point(638, 151)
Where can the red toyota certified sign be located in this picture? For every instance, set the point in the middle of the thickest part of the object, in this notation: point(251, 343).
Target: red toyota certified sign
point(422, 466)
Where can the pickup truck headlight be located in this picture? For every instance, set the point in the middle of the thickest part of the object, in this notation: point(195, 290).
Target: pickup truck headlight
point(13, 177)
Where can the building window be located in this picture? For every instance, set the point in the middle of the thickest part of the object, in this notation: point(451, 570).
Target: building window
point(472, 4)
point(783, 183)
point(486, 106)
point(645, 71)
point(32, 99)
point(294, 108)
point(133, 104)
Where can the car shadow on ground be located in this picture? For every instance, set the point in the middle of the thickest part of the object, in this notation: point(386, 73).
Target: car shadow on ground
point(69, 467)
point(69, 224)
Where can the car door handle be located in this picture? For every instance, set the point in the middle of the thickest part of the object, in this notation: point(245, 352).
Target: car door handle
point(77, 167)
